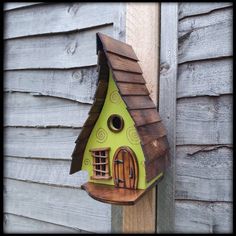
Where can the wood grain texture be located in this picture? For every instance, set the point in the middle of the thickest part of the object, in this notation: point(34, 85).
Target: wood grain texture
point(24, 109)
point(156, 148)
point(47, 171)
point(76, 84)
point(60, 47)
point(203, 217)
point(116, 46)
point(132, 89)
point(20, 224)
point(64, 206)
point(128, 77)
point(17, 5)
point(150, 132)
point(204, 173)
point(77, 155)
point(123, 64)
point(145, 116)
point(57, 51)
point(57, 18)
point(189, 9)
point(140, 217)
point(204, 120)
point(125, 168)
point(113, 195)
point(143, 34)
point(211, 78)
point(155, 167)
point(140, 31)
point(205, 37)
point(44, 143)
point(167, 109)
point(138, 102)
point(99, 99)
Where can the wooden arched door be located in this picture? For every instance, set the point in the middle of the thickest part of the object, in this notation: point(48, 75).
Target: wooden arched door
point(125, 168)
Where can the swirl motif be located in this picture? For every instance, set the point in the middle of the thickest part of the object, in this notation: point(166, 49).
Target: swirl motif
point(132, 135)
point(87, 162)
point(101, 135)
point(115, 97)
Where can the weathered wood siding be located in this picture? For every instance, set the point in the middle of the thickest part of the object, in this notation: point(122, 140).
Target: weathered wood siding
point(49, 81)
point(203, 182)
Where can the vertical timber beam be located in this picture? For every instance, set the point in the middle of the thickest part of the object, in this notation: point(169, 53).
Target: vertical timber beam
point(167, 109)
point(142, 32)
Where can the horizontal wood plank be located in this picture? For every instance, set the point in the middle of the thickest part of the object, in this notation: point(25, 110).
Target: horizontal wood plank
point(203, 217)
point(52, 172)
point(132, 89)
point(128, 77)
point(24, 109)
point(211, 78)
point(43, 143)
point(75, 84)
point(208, 36)
point(117, 47)
point(150, 132)
point(57, 18)
point(188, 9)
point(146, 116)
point(155, 149)
point(204, 120)
point(61, 51)
point(123, 64)
point(138, 102)
point(155, 167)
point(64, 206)
point(204, 173)
point(19, 224)
point(17, 5)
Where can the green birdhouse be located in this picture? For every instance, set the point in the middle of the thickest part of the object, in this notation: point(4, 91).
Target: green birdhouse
point(123, 144)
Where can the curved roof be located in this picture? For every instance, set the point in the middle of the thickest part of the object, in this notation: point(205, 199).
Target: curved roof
point(127, 74)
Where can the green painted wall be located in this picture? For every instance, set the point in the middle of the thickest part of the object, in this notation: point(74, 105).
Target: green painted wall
point(101, 136)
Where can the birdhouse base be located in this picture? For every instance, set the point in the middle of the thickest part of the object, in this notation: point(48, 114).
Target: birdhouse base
point(111, 194)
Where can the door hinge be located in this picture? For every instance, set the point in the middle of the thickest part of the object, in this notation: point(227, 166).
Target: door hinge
point(117, 180)
point(118, 161)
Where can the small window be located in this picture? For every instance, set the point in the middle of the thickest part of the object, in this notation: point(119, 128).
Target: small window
point(101, 168)
point(115, 123)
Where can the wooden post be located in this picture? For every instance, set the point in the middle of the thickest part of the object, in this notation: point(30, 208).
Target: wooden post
point(142, 32)
point(167, 109)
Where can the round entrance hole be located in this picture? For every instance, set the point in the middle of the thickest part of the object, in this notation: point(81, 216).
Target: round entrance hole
point(115, 123)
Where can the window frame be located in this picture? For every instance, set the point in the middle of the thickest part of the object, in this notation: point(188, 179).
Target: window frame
point(101, 161)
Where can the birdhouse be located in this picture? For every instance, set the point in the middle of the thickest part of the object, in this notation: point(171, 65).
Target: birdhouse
point(123, 144)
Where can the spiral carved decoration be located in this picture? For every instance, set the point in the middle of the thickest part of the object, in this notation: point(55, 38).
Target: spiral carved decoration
point(87, 162)
point(115, 97)
point(101, 135)
point(132, 135)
